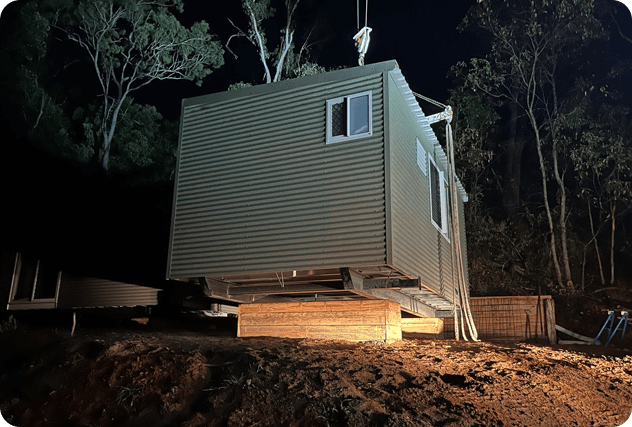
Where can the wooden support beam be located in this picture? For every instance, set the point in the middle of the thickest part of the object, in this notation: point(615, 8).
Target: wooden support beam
point(576, 335)
point(277, 289)
point(391, 283)
point(351, 279)
point(549, 316)
point(442, 314)
point(214, 288)
point(407, 302)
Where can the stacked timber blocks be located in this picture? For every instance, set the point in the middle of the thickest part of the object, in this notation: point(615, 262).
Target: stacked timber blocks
point(364, 320)
point(422, 327)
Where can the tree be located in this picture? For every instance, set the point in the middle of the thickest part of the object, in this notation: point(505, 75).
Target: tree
point(602, 157)
point(29, 108)
point(132, 43)
point(532, 41)
point(282, 61)
point(474, 125)
point(144, 146)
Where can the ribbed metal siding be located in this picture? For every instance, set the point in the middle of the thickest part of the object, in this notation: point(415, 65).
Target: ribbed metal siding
point(84, 292)
point(259, 190)
point(415, 240)
point(464, 242)
point(447, 285)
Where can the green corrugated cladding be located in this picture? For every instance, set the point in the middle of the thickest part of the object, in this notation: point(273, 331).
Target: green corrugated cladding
point(417, 248)
point(259, 190)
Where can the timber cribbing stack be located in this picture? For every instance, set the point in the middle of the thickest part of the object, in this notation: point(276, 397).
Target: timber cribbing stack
point(511, 319)
point(364, 320)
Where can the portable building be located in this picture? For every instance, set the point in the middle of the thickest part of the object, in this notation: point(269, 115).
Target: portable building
point(326, 187)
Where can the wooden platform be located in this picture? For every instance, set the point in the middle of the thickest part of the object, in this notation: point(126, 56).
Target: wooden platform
point(359, 320)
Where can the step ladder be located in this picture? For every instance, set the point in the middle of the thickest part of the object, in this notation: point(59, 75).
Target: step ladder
point(623, 322)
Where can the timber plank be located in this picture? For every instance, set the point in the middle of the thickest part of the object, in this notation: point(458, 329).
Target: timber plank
point(318, 306)
point(326, 318)
point(422, 325)
point(357, 333)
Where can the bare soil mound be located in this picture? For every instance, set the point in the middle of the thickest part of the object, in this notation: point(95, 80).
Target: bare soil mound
point(115, 377)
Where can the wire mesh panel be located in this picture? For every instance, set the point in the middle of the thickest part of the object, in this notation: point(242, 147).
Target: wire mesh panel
point(339, 119)
point(507, 318)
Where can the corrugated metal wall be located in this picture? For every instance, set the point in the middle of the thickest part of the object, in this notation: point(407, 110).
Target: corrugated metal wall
point(84, 292)
point(418, 248)
point(259, 190)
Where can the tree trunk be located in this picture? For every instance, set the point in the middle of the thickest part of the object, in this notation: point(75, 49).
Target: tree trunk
point(108, 135)
point(563, 228)
point(594, 237)
point(262, 48)
point(549, 215)
point(560, 180)
point(612, 216)
point(511, 187)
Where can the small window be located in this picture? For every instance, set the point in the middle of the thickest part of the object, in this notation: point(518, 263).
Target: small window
point(349, 117)
point(421, 158)
point(438, 199)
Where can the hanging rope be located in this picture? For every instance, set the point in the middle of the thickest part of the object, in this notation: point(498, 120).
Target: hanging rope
point(432, 101)
point(457, 250)
point(363, 36)
point(366, 13)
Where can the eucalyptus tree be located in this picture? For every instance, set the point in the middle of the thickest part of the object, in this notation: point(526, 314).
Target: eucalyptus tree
point(475, 125)
point(600, 136)
point(531, 43)
point(279, 61)
point(131, 43)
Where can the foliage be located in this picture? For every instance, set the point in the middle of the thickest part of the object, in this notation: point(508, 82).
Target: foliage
point(145, 143)
point(474, 125)
point(31, 111)
point(132, 43)
point(239, 85)
point(600, 136)
point(283, 60)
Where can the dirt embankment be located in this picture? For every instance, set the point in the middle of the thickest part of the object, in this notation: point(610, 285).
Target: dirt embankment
point(183, 378)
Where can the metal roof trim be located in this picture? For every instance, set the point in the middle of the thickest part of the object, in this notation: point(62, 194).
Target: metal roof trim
point(415, 108)
point(330, 77)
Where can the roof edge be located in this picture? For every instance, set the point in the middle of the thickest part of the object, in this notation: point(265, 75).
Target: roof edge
point(288, 84)
point(424, 124)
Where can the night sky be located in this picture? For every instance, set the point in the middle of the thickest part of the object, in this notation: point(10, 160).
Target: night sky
point(100, 227)
point(420, 35)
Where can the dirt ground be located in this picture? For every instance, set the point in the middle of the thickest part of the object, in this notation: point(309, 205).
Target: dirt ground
point(173, 376)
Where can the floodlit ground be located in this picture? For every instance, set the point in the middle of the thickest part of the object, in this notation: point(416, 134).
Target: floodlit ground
point(159, 376)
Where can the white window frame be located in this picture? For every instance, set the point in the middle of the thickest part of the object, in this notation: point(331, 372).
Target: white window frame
point(333, 139)
point(422, 156)
point(443, 192)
